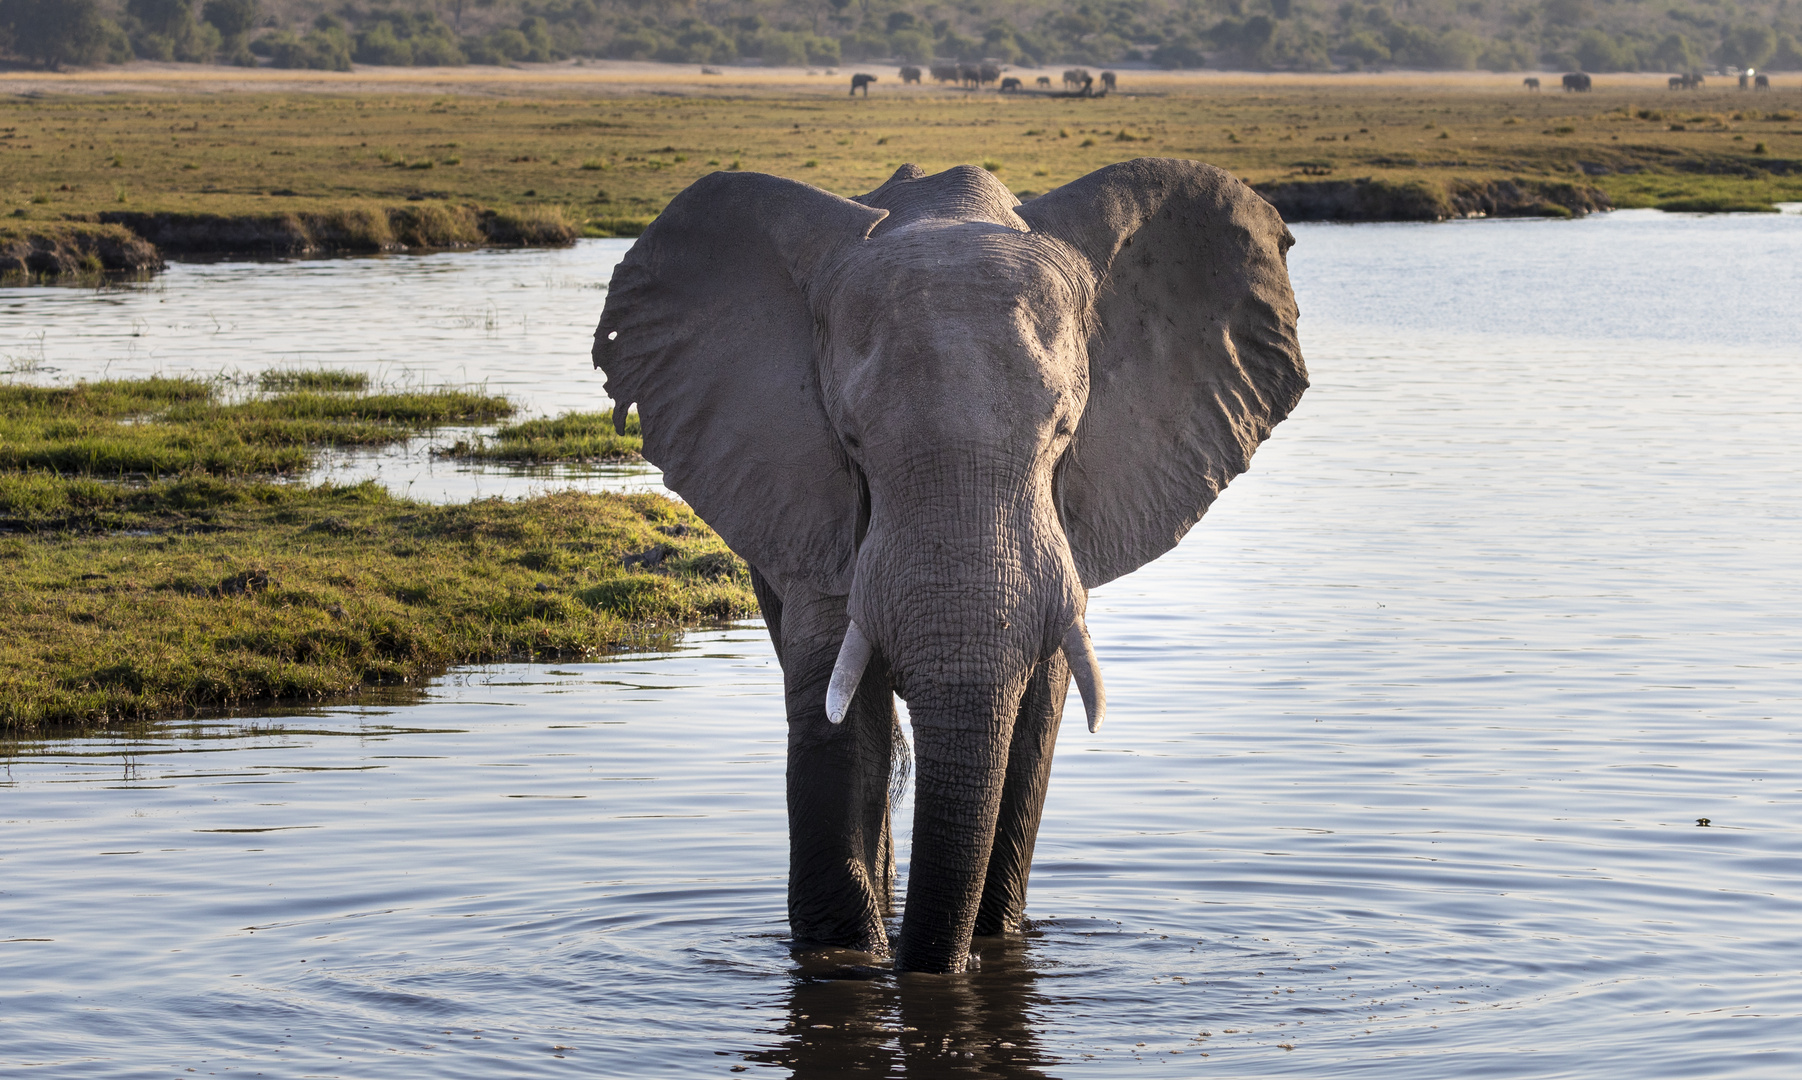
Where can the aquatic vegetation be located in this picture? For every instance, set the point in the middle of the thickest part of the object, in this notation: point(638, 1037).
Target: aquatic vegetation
point(159, 427)
point(319, 379)
point(570, 437)
point(204, 592)
point(205, 583)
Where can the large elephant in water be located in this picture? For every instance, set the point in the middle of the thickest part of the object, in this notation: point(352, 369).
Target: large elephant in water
point(931, 419)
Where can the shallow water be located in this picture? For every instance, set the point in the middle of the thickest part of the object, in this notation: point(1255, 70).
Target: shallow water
point(1406, 749)
point(518, 323)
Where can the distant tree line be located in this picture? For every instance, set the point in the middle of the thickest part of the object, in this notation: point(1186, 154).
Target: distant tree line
point(1296, 35)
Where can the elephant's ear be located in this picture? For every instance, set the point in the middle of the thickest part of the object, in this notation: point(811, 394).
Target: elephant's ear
point(1192, 359)
point(708, 330)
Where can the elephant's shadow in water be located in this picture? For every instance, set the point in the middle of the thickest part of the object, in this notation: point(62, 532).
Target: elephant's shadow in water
point(852, 1021)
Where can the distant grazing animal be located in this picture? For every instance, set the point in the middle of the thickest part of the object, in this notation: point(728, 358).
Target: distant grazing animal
point(1531, 83)
point(1577, 81)
point(945, 73)
point(1745, 81)
point(969, 75)
point(1088, 85)
point(1044, 82)
point(910, 74)
point(987, 73)
point(1107, 80)
point(1762, 82)
point(1010, 85)
point(710, 71)
point(861, 81)
point(1073, 77)
point(1692, 81)
point(1679, 82)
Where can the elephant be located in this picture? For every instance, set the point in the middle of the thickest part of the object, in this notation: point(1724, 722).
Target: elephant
point(1761, 82)
point(931, 419)
point(1010, 85)
point(860, 81)
point(1108, 80)
point(1043, 82)
point(1531, 82)
point(1577, 81)
point(910, 74)
point(946, 73)
point(1073, 77)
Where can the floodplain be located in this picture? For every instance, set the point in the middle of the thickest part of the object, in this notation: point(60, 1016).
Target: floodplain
point(457, 157)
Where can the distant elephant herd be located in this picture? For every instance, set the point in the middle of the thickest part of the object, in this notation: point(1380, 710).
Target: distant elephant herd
point(1580, 82)
point(1077, 81)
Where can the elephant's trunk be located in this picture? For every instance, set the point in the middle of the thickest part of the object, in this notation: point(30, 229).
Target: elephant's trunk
point(964, 585)
point(961, 743)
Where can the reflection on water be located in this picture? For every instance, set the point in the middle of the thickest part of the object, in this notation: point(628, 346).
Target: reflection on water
point(1407, 749)
point(417, 470)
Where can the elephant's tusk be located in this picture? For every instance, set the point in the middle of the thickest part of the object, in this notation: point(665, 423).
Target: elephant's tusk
point(1079, 651)
point(853, 657)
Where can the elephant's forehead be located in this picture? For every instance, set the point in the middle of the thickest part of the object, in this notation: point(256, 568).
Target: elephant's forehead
point(932, 267)
point(963, 193)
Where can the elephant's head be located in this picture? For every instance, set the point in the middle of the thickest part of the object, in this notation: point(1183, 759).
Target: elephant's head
point(959, 413)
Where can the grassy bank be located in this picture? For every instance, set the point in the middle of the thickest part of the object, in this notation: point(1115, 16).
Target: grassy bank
point(214, 586)
point(34, 251)
point(370, 170)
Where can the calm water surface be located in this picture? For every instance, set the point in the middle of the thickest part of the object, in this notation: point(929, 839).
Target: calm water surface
point(1406, 749)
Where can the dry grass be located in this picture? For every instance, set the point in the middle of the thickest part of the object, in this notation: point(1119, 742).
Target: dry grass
point(606, 158)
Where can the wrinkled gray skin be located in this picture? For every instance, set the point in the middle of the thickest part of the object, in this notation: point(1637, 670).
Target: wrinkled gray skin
point(946, 415)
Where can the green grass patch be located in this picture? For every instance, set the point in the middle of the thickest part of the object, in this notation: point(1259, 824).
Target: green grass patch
point(160, 427)
point(1715, 205)
point(321, 379)
point(570, 437)
point(210, 593)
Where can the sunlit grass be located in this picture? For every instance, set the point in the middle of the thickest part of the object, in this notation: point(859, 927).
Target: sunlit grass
point(570, 437)
point(243, 592)
point(158, 427)
point(205, 583)
point(608, 165)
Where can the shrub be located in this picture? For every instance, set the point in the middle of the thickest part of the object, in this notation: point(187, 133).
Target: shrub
point(58, 32)
point(320, 50)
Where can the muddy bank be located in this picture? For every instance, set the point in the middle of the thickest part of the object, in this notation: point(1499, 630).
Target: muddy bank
point(1420, 200)
point(55, 249)
point(354, 229)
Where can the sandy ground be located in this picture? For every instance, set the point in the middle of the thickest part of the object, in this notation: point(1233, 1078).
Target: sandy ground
point(609, 77)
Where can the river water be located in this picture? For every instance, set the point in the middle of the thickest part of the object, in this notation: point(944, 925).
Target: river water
point(1406, 751)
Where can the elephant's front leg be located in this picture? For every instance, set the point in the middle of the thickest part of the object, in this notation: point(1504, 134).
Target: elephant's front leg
point(841, 853)
point(1023, 797)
